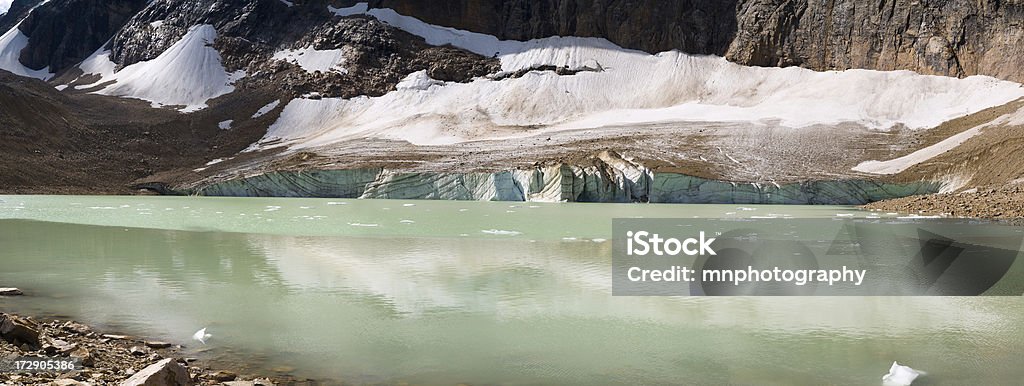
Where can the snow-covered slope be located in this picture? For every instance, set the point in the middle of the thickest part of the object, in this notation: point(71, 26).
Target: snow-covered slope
point(189, 73)
point(900, 164)
point(5, 5)
point(619, 87)
point(11, 44)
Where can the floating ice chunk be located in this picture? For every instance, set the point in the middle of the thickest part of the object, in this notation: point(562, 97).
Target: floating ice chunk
point(201, 336)
point(900, 375)
point(356, 224)
point(501, 232)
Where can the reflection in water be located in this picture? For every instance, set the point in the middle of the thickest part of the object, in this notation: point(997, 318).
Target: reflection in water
point(481, 310)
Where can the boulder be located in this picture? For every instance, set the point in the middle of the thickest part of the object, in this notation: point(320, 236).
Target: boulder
point(84, 355)
point(164, 373)
point(223, 376)
point(19, 331)
point(158, 344)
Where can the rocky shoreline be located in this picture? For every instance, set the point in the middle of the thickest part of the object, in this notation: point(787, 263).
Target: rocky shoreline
point(105, 359)
point(990, 203)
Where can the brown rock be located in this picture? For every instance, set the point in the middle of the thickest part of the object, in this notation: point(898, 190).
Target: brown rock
point(83, 355)
point(223, 376)
point(19, 331)
point(164, 373)
point(158, 344)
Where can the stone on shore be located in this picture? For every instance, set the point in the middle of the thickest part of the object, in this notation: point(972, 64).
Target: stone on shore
point(164, 373)
point(223, 376)
point(158, 344)
point(19, 331)
point(83, 355)
point(11, 292)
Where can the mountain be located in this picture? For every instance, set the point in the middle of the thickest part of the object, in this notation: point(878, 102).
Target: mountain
point(601, 100)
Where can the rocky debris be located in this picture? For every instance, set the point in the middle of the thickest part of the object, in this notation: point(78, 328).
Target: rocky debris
point(19, 331)
point(167, 372)
point(993, 202)
point(104, 361)
point(11, 292)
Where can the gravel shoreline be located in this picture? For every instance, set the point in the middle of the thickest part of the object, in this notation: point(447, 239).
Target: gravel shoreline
point(105, 359)
point(990, 203)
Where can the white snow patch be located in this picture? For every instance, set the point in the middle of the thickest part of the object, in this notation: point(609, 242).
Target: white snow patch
point(288, 3)
point(215, 161)
point(60, 87)
point(189, 73)
point(358, 9)
point(156, 24)
point(11, 44)
point(418, 80)
point(225, 125)
point(266, 109)
point(311, 59)
point(629, 88)
point(5, 5)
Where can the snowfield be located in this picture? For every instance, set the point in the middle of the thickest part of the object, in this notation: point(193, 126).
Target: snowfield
point(189, 73)
point(620, 87)
point(11, 44)
point(312, 60)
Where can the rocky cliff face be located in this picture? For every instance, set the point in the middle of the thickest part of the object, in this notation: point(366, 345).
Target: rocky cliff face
point(942, 37)
point(64, 32)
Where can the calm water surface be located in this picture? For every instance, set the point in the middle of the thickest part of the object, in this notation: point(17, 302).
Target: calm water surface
point(438, 292)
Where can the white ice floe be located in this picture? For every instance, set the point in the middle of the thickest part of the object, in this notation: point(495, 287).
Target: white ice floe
point(11, 44)
point(201, 336)
point(189, 73)
point(311, 59)
point(900, 375)
point(500, 232)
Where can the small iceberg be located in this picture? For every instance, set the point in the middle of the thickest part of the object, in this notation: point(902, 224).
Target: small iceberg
point(900, 375)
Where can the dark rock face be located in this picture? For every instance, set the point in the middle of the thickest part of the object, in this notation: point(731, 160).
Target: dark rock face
point(943, 37)
point(946, 37)
point(64, 32)
point(18, 10)
point(693, 26)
